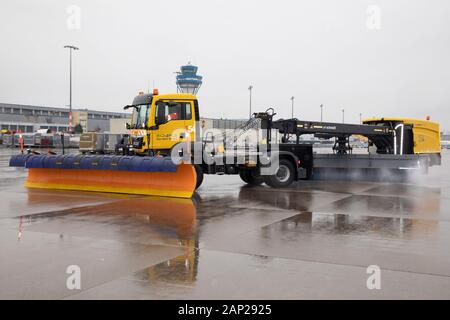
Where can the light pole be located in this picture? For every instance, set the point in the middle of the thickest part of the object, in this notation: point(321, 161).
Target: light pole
point(292, 111)
point(343, 115)
point(250, 90)
point(71, 48)
point(360, 118)
point(321, 112)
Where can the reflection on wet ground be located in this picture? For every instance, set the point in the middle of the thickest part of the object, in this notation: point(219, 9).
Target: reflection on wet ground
point(312, 240)
point(341, 224)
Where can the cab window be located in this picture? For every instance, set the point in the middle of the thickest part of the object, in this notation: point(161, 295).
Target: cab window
point(187, 111)
point(170, 111)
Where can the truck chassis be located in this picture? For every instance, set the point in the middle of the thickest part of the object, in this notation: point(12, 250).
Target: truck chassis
point(298, 161)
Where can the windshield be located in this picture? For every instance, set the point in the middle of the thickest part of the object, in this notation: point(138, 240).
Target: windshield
point(140, 116)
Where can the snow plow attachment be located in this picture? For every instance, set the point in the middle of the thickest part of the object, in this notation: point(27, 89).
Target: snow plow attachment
point(157, 176)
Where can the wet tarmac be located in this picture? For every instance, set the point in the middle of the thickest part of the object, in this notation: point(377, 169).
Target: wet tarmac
point(313, 240)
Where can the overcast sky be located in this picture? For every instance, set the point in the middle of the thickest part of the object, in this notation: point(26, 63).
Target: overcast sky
point(335, 53)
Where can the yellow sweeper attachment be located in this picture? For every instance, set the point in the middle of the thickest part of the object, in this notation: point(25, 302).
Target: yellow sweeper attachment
point(119, 174)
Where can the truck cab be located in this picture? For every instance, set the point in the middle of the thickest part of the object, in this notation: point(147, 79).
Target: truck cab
point(161, 121)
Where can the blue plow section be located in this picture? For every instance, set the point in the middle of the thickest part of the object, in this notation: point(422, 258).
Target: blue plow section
point(92, 162)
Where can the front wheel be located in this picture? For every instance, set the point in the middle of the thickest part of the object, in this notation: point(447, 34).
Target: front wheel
point(199, 174)
point(251, 178)
point(284, 175)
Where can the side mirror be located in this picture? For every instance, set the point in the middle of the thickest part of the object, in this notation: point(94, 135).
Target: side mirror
point(128, 126)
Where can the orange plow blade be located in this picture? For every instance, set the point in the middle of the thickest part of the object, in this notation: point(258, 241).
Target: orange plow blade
point(180, 184)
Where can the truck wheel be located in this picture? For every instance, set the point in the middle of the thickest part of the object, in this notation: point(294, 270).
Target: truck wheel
point(250, 178)
point(284, 175)
point(199, 173)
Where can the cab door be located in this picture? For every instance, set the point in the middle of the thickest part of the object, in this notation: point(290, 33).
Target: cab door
point(170, 119)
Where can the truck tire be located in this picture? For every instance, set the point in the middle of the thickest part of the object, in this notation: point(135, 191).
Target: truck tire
point(199, 173)
point(251, 178)
point(284, 175)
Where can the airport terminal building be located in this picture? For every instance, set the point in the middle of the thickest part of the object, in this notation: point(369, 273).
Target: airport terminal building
point(30, 118)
